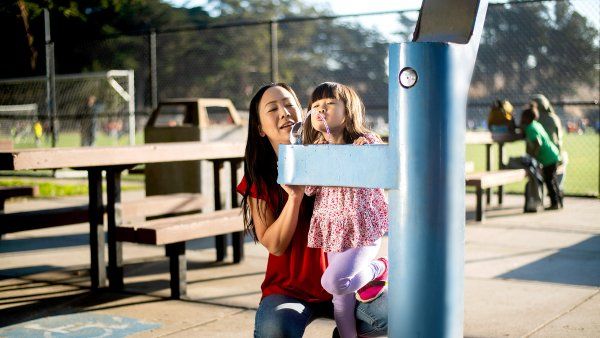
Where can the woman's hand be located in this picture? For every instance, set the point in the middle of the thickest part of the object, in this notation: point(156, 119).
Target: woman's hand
point(293, 191)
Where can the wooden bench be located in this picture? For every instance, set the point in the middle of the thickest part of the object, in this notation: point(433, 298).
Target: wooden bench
point(37, 219)
point(490, 179)
point(160, 206)
point(173, 232)
point(10, 192)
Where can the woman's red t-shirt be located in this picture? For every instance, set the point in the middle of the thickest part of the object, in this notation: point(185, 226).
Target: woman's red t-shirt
point(297, 272)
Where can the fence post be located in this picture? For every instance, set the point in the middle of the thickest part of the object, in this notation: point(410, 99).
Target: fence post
point(131, 105)
point(50, 79)
point(153, 72)
point(274, 59)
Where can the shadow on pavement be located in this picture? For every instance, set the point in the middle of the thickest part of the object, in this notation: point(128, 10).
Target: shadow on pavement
point(41, 243)
point(576, 265)
point(65, 302)
point(82, 239)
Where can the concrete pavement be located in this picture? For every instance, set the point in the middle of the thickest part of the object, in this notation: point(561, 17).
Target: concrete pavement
point(527, 275)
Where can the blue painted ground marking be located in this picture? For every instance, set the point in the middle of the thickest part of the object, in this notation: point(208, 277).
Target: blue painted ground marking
point(78, 325)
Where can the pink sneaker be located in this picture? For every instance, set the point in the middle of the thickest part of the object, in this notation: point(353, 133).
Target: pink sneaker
point(376, 287)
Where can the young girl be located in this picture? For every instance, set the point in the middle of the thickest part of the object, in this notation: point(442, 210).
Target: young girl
point(347, 223)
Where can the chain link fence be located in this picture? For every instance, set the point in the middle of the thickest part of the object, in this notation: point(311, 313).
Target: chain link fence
point(225, 62)
point(87, 104)
point(549, 47)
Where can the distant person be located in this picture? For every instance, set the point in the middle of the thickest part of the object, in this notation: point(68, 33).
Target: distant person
point(501, 118)
point(540, 147)
point(38, 132)
point(88, 116)
point(548, 119)
point(553, 127)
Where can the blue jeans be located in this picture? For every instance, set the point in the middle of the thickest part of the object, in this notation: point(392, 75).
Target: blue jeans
point(281, 316)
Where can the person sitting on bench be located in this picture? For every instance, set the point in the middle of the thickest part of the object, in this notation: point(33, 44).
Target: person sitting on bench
point(544, 151)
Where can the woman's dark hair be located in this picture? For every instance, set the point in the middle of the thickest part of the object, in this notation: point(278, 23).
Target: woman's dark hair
point(260, 162)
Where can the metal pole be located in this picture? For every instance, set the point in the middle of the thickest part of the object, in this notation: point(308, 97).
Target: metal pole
point(131, 106)
point(426, 249)
point(429, 82)
point(50, 79)
point(153, 71)
point(274, 52)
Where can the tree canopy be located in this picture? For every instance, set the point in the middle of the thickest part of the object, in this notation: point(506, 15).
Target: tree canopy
point(208, 51)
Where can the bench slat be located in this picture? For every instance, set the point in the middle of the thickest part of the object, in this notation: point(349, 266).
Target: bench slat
point(488, 179)
point(160, 205)
point(39, 219)
point(496, 178)
point(189, 231)
point(8, 192)
point(182, 228)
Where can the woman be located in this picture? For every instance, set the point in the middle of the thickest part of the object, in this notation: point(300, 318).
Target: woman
point(278, 217)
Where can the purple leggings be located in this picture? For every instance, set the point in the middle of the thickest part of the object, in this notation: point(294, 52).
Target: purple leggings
point(348, 271)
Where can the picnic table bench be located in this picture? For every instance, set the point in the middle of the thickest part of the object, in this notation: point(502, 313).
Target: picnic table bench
point(489, 179)
point(485, 180)
point(113, 161)
point(10, 192)
point(175, 230)
point(18, 191)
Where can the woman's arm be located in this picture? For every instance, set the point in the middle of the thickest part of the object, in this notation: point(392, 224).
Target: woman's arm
point(276, 234)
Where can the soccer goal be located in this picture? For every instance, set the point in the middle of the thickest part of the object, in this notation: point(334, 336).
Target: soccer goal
point(16, 122)
point(88, 104)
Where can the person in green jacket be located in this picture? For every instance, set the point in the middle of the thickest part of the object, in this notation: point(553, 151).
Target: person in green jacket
point(552, 125)
point(541, 147)
point(548, 118)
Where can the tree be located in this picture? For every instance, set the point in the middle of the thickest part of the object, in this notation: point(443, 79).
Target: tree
point(77, 27)
point(529, 48)
point(197, 55)
point(233, 62)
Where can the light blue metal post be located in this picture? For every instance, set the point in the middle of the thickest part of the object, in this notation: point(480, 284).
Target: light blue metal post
point(429, 81)
point(426, 249)
point(423, 166)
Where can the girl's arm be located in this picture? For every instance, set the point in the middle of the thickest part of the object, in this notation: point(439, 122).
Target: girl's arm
point(276, 234)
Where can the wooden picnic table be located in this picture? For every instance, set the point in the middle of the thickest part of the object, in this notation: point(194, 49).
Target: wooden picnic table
point(112, 161)
point(488, 139)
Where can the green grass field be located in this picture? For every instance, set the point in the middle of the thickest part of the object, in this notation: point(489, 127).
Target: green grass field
point(74, 140)
point(582, 175)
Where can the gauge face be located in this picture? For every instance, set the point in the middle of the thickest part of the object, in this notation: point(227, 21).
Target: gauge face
point(407, 77)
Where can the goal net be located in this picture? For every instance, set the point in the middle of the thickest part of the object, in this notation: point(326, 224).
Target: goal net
point(91, 108)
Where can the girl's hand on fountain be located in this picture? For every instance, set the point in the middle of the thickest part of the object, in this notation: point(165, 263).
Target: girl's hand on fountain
point(360, 141)
point(321, 140)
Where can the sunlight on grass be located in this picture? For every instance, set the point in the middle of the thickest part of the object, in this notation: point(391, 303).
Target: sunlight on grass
point(582, 169)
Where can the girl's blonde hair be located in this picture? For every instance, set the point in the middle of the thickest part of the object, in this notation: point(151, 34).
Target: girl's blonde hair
point(355, 124)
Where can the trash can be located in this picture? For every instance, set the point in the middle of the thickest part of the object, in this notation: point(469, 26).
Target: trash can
point(184, 120)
